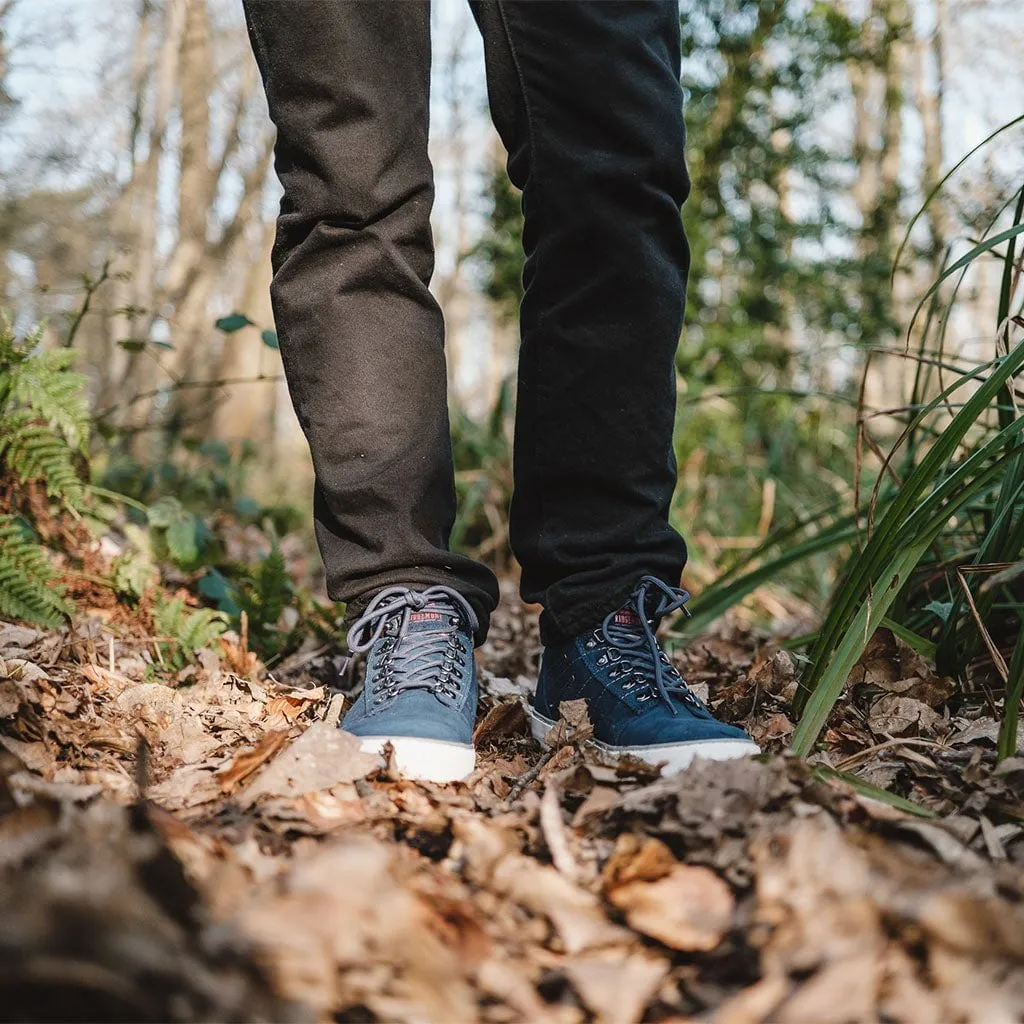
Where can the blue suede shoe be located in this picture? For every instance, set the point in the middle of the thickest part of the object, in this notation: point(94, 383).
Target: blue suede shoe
point(419, 692)
point(637, 702)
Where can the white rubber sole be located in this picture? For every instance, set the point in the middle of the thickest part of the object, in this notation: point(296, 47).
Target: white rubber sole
point(429, 760)
point(675, 757)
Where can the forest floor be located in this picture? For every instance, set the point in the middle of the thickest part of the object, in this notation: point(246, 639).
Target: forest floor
point(205, 844)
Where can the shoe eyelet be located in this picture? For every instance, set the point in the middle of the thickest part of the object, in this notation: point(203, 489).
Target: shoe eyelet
point(591, 644)
point(603, 660)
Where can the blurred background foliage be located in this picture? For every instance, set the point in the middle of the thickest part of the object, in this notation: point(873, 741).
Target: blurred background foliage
point(844, 312)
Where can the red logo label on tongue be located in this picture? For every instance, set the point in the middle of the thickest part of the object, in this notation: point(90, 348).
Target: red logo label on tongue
point(625, 617)
point(426, 617)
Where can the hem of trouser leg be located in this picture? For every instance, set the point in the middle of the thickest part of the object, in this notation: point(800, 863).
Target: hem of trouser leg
point(356, 605)
point(560, 627)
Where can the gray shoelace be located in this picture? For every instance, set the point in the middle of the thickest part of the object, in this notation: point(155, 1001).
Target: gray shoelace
point(413, 661)
point(639, 654)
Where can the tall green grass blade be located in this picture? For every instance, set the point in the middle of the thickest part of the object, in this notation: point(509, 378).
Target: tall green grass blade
point(917, 643)
point(1007, 742)
point(941, 184)
point(727, 591)
point(995, 547)
point(833, 660)
point(1004, 530)
point(879, 548)
point(882, 561)
point(830, 683)
point(874, 792)
point(969, 257)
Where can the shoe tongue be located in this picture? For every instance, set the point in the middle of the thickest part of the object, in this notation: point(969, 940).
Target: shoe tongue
point(432, 619)
point(627, 618)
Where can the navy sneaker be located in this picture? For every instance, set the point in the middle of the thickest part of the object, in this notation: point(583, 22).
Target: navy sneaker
point(419, 692)
point(637, 702)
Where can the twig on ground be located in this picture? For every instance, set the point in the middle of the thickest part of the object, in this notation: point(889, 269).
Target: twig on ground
point(527, 778)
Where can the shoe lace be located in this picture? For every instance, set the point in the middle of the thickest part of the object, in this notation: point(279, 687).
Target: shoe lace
point(639, 654)
point(413, 661)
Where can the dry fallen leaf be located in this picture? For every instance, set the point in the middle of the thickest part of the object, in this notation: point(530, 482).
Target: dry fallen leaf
point(282, 711)
point(320, 758)
point(637, 858)
point(347, 909)
point(894, 715)
point(689, 909)
point(375, 897)
point(575, 912)
point(506, 718)
point(616, 985)
point(243, 765)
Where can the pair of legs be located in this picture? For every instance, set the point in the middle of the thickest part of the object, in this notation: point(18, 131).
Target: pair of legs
point(586, 98)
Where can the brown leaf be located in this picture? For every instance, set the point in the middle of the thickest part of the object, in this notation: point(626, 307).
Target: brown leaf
point(689, 909)
point(776, 674)
point(243, 765)
point(320, 758)
point(599, 800)
point(19, 638)
point(314, 813)
point(343, 928)
point(637, 859)
point(574, 713)
point(11, 696)
point(33, 755)
point(575, 913)
point(615, 985)
point(842, 991)
point(105, 681)
point(893, 715)
point(754, 1004)
point(188, 786)
point(506, 718)
point(556, 835)
point(282, 711)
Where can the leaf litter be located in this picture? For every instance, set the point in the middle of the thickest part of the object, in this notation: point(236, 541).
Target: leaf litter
point(205, 845)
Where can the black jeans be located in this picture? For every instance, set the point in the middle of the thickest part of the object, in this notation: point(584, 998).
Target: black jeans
point(586, 98)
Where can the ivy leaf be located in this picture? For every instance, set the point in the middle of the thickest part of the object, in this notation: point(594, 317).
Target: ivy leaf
point(247, 508)
point(181, 540)
point(939, 608)
point(216, 451)
point(166, 511)
point(270, 339)
point(215, 587)
point(233, 322)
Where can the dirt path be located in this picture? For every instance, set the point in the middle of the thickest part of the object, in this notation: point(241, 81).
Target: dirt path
point(272, 872)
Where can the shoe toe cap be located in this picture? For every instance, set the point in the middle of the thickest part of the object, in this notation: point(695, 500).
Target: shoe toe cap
point(652, 730)
point(416, 715)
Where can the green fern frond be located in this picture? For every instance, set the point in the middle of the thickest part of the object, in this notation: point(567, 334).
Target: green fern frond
point(46, 384)
point(44, 423)
point(272, 591)
point(33, 451)
point(192, 629)
point(44, 418)
point(27, 590)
